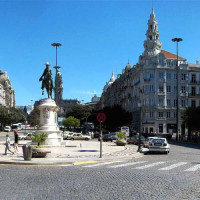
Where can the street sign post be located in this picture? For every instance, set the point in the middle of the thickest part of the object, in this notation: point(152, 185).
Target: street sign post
point(101, 117)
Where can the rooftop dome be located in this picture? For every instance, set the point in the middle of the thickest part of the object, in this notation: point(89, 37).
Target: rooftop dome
point(128, 66)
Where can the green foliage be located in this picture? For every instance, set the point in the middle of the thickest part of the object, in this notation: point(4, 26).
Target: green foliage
point(34, 117)
point(191, 118)
point(116, 117)
point(39, 137)
point(10, 116)
point(80, 112)
point(121, 135)
point(71, 122)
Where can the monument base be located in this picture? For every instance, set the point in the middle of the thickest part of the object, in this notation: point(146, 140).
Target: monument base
point(48, 122)
point(54, 138)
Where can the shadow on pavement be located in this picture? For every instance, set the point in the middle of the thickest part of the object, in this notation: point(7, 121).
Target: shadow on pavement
point(184, 144)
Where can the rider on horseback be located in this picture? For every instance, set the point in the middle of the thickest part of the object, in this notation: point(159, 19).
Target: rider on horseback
point(47, 81)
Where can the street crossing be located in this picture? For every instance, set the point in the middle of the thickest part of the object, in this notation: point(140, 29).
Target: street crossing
point(142, 165)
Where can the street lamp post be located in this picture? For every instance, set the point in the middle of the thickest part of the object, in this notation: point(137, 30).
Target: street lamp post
point(56, 67)
point(140, 126)
point(177, 40)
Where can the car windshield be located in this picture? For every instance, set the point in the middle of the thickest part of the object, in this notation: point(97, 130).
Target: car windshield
point(158, 140)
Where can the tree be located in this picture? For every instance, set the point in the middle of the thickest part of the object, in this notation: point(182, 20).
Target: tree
point(10, 116)
point(34, 117)
point(191, 118)
point(71, 122)
point(80, 112)
point(116, 116)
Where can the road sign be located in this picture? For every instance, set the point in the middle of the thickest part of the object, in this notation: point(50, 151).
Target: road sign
point(101, 117)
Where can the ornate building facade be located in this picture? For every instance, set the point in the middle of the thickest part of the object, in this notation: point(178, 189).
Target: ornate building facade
point(7, 95)
point(149, 88)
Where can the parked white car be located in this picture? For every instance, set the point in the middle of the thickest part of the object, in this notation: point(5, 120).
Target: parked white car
point(26, 136)
point(66, 135)
point(79, 136)
point(7, 129)
point(159, 145)
point(148, 140)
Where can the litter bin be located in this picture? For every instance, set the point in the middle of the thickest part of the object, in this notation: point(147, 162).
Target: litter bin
point(27, 152)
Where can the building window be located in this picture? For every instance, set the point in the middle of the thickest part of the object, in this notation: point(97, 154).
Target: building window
point(175, 89)
point(151, 114)
point(161, 75)
point(168, 102)
point(193, 91)
point(168, 88)
point(160, 114)
point(175, 115)
point(175, 76)
point(168, 114)
point(160, 88)
point(175, 102)
point(193, 103)
point(160, 128)
point(183, 103)
point(193, 78)
point(168, 75)
point(183, 77)
point(161, 102)
point(183, 89)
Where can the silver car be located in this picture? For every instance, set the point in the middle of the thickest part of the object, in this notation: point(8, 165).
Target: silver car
point(159, 145)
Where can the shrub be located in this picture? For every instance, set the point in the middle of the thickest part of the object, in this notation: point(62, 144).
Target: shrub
point(39, 138)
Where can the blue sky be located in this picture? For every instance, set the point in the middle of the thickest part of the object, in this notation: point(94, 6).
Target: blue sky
point(97, 37)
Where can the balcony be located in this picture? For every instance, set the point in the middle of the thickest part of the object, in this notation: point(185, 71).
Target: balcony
point(194, 82)
point(161, 93)
point(193, 95)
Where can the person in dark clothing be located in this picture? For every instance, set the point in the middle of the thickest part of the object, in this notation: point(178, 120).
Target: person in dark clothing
point(16, 141)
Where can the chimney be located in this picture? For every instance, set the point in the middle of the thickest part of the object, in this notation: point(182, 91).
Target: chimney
point(197, 62)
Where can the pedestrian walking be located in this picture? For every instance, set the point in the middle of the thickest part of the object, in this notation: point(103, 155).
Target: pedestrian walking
point(16, 141)
point(8, 145)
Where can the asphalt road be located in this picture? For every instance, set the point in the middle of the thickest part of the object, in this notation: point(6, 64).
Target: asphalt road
point(155, 176)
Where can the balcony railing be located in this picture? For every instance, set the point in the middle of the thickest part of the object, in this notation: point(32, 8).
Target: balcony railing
point(194, 95)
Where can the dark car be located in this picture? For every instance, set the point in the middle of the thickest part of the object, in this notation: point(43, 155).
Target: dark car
point(107, 137)
point(135, 139)
point(96, 134)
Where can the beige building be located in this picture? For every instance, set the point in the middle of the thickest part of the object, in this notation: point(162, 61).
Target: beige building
point(149, 88)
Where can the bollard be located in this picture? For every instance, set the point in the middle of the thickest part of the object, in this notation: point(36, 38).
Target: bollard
point(27, 152)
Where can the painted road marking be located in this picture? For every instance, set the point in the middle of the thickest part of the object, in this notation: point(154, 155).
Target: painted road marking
point(173, 166)
point(127, 164)
point(192, 169)
point(84, 162)
point(149, 165)
point(106, 163)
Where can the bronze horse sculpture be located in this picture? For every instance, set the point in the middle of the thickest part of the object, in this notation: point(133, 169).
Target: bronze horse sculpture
point(47, 81)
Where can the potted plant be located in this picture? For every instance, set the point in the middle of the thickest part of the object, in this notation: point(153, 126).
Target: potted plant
point(121, 139)
point(39, 151)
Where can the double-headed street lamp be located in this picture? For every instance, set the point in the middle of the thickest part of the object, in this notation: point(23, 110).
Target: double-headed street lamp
point(177, 40)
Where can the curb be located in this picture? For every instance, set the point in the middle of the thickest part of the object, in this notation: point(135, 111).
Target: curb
point(32, 163)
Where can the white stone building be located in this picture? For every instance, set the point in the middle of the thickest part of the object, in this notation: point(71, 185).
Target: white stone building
point(7, 97)
point(149, 88)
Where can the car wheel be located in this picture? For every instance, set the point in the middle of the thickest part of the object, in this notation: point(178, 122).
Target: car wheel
point(86, 139)
point(72, 138)
point(111, 140)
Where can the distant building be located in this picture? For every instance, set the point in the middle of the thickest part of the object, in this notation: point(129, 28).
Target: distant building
point(64, 104)
point(94, 102)
point(27, 108)
point(7, 95)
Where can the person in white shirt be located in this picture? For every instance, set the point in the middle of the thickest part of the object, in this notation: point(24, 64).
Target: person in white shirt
point(8, 145)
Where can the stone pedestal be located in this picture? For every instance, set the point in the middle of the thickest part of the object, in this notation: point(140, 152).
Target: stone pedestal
point(48, 122)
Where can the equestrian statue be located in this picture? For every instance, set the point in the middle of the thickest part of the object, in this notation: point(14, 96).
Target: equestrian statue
point(47, 81)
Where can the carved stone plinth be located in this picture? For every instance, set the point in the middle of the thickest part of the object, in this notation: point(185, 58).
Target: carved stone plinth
point(48, 121)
